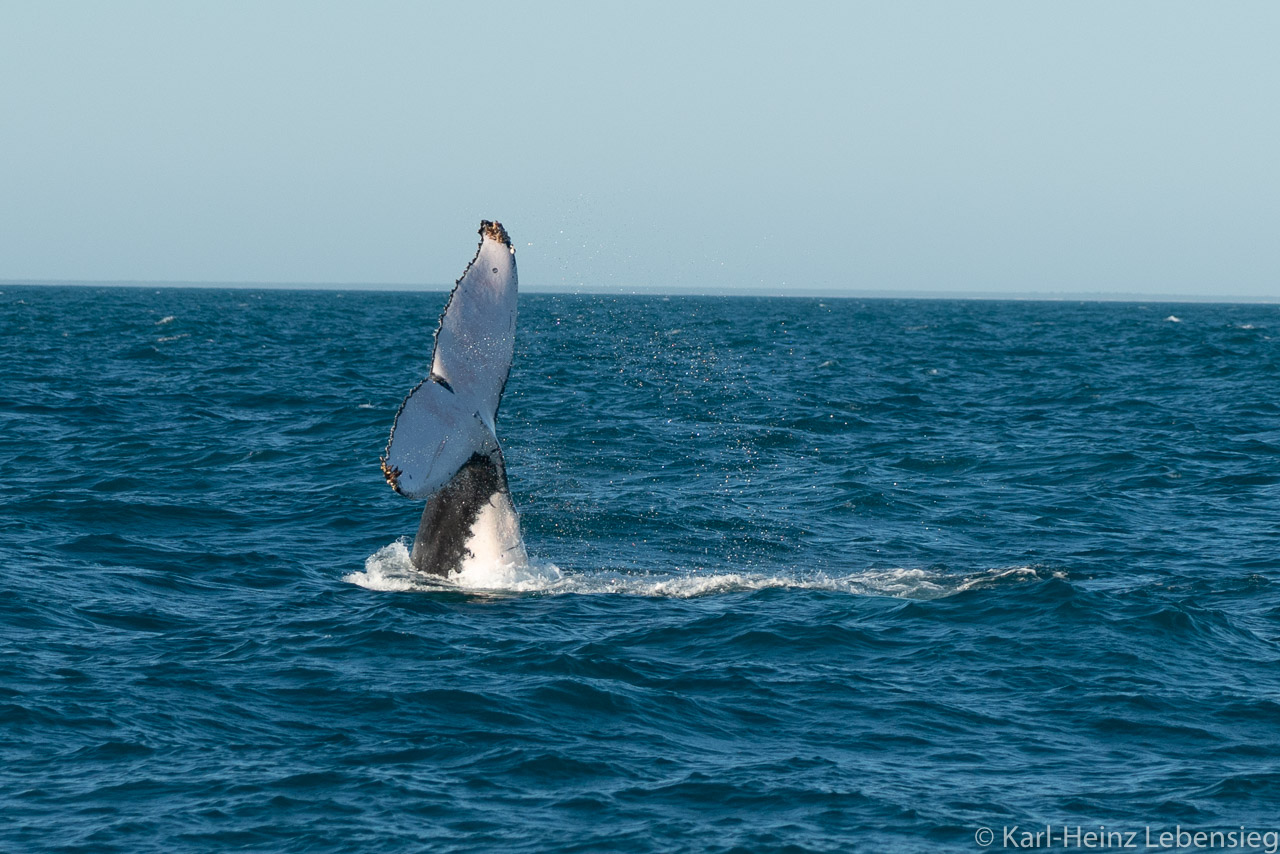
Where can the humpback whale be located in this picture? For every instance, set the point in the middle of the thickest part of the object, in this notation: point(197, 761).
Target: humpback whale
point(444, 441)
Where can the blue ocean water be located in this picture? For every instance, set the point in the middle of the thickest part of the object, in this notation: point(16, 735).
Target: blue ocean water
point(807, 575)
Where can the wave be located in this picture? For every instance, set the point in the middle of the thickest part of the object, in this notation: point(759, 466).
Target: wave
point(390, 570)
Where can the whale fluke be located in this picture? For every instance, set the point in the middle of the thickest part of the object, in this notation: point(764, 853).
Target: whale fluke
point(444, 443)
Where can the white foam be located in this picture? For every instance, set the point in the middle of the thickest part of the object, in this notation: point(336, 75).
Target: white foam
point(165, 338)
point(390, 569)
point(168, 318)
point(1173, 319)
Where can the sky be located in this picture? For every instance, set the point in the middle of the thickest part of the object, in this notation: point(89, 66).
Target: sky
point(1096, 148)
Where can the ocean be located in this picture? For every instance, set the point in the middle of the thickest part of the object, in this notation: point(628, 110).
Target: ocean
point(805, 575)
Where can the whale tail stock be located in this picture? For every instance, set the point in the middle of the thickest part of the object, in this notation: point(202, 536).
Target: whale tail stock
point(444, 445)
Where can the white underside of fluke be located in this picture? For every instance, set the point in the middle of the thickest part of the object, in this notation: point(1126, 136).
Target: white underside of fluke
point(451, 415)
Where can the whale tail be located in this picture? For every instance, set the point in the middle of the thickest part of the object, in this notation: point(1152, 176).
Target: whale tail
point(444, 444)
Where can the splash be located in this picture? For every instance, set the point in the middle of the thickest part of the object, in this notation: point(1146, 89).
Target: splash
point(391, 570)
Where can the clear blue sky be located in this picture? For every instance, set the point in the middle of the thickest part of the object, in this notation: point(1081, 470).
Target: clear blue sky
point(890, 146)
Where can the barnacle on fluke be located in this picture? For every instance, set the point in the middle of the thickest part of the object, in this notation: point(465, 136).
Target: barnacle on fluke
point(495, 231)
point(391, 473)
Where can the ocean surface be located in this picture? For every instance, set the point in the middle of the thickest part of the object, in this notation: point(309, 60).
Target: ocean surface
point(805, 575)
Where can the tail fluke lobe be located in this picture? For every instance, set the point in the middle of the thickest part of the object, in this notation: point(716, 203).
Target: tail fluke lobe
point(477, 331)
point(435, 433)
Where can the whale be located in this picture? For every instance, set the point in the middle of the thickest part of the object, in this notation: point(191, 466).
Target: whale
point(444, 444)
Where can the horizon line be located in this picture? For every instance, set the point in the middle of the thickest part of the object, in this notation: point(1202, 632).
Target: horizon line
point(659, 290)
